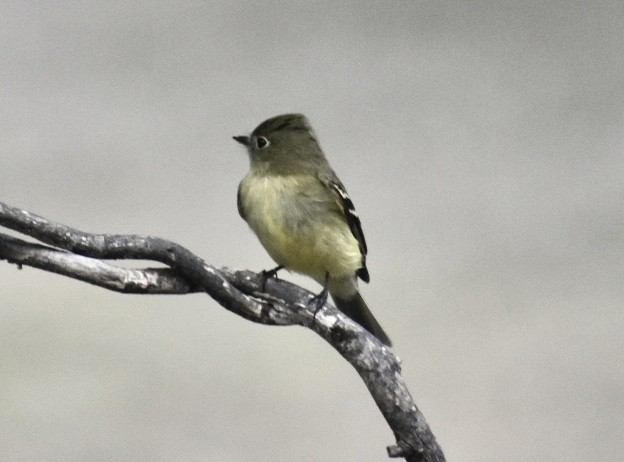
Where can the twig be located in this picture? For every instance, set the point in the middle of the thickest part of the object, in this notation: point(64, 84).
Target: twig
point(79, 255)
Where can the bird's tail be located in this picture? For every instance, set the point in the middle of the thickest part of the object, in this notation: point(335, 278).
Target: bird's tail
point(355, 307)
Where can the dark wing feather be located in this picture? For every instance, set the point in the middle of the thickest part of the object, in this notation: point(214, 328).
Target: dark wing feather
point(351, 216)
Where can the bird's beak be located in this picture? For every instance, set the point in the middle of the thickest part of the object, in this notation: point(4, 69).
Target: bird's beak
point(244, 140)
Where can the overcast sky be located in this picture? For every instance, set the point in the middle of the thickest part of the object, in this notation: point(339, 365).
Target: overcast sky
point(482, 144)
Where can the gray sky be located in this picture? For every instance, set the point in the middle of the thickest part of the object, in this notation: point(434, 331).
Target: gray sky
point(482, 145)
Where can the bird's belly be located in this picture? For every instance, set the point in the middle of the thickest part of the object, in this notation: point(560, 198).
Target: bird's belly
point(299, 233)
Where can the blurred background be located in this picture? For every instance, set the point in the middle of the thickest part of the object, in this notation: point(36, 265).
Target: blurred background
point(482, 143)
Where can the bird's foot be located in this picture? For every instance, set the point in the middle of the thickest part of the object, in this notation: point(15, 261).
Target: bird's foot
point(266, 274)
point(320, 299)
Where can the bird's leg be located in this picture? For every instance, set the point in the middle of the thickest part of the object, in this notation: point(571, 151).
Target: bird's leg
point(320, 299)
point(266, 274)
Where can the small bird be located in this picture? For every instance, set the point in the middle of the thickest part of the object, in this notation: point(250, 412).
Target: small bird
point(301, 213)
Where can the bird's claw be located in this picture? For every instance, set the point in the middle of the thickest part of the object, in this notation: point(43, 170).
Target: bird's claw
point(267, 274)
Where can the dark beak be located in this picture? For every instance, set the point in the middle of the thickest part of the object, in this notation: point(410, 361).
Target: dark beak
point(244, 140)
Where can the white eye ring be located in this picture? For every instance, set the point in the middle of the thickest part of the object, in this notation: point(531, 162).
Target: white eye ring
point(262, 142)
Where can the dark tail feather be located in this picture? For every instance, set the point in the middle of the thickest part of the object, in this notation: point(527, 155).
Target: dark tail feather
point(357, 310)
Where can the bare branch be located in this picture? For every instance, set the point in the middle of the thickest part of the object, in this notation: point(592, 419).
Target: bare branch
point(79, 255)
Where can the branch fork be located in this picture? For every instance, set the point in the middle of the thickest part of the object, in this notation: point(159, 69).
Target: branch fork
point(80, 255)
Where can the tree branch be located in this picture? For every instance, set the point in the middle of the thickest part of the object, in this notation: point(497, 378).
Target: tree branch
point(79, 255)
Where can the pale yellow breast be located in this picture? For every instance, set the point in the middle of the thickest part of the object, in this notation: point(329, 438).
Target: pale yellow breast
point(297, 222)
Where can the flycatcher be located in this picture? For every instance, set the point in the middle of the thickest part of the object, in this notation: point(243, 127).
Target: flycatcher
point(300, 211)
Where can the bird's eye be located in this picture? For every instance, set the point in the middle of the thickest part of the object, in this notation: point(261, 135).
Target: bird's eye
point(262, 142)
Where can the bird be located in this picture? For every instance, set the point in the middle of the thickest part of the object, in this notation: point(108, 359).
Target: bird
point(303, 216)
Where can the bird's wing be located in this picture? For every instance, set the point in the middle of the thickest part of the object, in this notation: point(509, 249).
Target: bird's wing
point(345, 204)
